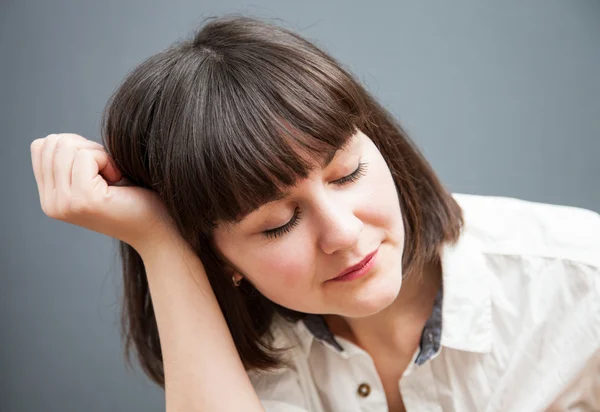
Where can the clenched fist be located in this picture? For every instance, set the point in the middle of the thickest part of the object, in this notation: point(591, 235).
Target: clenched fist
point(75, 178)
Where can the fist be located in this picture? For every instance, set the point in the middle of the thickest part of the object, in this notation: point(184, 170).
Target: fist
point(76, 182)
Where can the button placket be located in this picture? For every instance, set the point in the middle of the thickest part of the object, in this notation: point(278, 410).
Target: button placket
point(419, 391)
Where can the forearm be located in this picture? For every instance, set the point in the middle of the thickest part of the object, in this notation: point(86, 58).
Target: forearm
point(203, 371)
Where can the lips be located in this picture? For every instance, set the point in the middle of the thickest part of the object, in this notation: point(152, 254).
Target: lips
point(356, 266)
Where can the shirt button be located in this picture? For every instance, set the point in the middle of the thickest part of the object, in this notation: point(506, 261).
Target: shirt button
point(364, 390)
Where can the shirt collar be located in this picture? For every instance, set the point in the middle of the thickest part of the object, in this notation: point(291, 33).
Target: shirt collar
point(467, 307)
point(462, 306)
point(315, 328)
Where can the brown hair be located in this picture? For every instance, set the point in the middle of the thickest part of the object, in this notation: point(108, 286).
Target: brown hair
point(215, 125)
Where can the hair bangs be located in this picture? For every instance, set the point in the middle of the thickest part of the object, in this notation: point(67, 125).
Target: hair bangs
point(267, 127)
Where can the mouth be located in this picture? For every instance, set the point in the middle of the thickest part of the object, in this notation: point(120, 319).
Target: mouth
point(358, 270)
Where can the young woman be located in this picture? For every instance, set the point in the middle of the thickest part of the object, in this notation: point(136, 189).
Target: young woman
point(285, 245)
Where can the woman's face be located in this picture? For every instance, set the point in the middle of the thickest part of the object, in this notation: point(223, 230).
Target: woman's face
point(291, 249)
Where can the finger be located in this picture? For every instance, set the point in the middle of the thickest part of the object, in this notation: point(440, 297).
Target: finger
point(110, 170)
point(47, 163)
point(87, 142)
point(63, 163)
point(86, 166)
point(65, 151)
point(36, 162)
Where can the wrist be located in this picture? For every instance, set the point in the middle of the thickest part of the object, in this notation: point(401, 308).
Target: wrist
point(159, 243)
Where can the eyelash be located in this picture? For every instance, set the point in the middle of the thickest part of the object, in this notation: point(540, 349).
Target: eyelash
point(352, 177)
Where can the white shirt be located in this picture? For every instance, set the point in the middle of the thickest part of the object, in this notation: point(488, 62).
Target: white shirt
point(520, 316)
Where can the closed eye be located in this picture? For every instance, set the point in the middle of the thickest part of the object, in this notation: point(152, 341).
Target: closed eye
point(354, 176)
point(278, 231)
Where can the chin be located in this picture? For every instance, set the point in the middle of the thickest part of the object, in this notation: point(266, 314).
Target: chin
point(372, 297)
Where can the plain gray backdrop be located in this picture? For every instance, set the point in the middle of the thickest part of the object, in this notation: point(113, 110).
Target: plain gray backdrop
point(502, 97)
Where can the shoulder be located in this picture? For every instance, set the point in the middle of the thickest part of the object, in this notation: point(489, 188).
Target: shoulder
point(541, 263)
point(542, 269)
point(511, 226)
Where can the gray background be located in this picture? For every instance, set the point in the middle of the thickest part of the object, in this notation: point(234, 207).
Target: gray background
point(504, 99)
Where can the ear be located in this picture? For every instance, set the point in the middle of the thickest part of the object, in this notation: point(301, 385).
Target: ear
point(232, 273)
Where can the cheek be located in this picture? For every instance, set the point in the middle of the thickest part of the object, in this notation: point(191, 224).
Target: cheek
point(383, 209)
point(285, 267)
point(282, 272)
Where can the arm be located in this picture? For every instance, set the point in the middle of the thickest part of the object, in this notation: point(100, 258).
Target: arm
point(203, 371)
point(202, 368)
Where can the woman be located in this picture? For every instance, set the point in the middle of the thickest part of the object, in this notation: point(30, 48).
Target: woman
point(285, 246)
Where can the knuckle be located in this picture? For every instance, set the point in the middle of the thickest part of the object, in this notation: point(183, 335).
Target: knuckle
point(36, 144)
point(64, 208)
point(61, 143)
point(49, 141)
point(84, 154)
point(79, 206)
point(44, 208)
point(73, 136)
point(49, 210)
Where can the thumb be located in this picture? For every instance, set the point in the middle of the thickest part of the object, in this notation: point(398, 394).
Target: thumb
point(108, 169)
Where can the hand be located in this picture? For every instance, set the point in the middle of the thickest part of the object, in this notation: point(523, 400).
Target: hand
point(75, 178)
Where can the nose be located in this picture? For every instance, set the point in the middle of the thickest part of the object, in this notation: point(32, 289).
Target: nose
point(339, 228)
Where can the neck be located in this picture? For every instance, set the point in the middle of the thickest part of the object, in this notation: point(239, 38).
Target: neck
point(397, 328)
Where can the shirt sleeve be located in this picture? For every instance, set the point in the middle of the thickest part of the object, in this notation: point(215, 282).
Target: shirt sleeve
point(279, 391)
point(583, 395)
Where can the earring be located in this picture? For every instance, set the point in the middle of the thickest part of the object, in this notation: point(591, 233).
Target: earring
point(236, 282)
